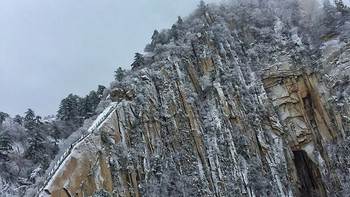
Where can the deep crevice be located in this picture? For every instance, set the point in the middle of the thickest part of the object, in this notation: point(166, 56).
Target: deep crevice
point(309, 176)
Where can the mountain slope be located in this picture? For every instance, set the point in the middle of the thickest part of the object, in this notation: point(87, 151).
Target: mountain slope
point(242, 99)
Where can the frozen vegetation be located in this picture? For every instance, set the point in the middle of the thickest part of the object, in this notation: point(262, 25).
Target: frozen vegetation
point(244, 98)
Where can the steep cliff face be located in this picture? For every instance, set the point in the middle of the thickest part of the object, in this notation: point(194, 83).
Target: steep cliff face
point(206, 115)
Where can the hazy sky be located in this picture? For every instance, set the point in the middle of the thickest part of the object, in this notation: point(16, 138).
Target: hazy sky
point(50, 48)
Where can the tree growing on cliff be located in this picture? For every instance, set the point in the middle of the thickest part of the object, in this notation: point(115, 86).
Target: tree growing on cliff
point(155, 38)
point(36, 147)
point(100, 90)
point(68, 109)
point(56, 133)
point(29, 119)
point(138, 61)
point(3, 116)
point(119, 74)
point(37, 120)
point(18, 119)
point(5, 146)
point(202, 8)
point(94, 99)
point(341, 7)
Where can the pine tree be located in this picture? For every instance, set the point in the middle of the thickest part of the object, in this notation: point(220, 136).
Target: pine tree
point(174, 32)
point(201, 9)
point(18, 119)
point(176, 28)
point(119, 74)
point(5, 146)
point(56, 133)
point(3, 116)
point(87, 105)
point(341, 7)
point(84, 108)
point(155, 38)
point(138, 60)
point(36, 147)
point(68, 109)
point(94, 100)
point(29, 120)
point(37, 121)
point(330, 16)
point(101, 89)
point(179, 21)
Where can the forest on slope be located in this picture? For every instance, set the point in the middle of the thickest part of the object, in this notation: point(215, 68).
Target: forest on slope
point(29, 144)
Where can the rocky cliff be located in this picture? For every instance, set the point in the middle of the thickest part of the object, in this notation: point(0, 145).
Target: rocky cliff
point(220, 107)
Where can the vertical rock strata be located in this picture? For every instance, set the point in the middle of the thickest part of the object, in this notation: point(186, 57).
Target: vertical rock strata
point(186, 138)
point(204, 122)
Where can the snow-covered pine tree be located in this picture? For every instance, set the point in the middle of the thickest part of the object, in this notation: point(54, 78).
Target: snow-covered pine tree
point(5, 146)
point(56, 133)
point(68, 109)
point(3, 116)
point(18, 119)
point(100, 90)
point(29, 119)
point(138, 61)
point(94, 100)
point(36, 147)
point(119, 74)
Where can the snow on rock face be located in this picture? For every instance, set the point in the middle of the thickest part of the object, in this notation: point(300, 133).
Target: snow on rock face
point(199, 120)
point(172, 141)
point(83, 167)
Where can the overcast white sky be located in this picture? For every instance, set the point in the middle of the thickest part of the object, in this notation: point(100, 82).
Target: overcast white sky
point(50, 48)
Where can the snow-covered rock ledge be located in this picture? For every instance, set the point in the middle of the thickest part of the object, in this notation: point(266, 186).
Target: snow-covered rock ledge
point(83, 165)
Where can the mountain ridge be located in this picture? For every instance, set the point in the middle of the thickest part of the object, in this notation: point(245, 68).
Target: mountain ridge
point(229, 102)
